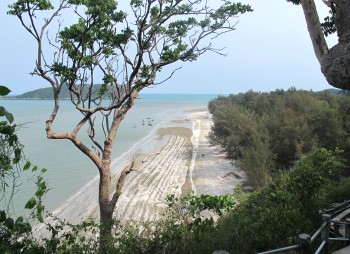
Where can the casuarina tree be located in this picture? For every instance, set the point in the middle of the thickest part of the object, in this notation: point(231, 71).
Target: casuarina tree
point(335, 62)
point(105, 56)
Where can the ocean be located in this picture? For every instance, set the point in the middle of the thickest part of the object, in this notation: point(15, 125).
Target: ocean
point(69, 172)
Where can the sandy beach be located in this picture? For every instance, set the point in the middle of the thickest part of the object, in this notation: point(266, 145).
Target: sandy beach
point(176, 158)
point(186, 162)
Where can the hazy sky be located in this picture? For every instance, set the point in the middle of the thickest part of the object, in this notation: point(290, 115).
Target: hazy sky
point(270, 49)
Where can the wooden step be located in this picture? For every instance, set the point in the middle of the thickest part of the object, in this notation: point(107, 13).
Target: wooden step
point(343, 215)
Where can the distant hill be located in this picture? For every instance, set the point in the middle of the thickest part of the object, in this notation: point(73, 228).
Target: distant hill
point(332, 91)
point(47, 93)
point(42, 93)
point(336, 91)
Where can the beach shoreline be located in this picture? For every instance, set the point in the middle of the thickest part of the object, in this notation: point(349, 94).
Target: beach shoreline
point(187, 162)
point(175, 158)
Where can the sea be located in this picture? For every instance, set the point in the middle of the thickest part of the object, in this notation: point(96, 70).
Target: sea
point(69, 172)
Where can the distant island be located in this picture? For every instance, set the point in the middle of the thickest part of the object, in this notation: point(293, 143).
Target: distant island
point(42, 93)
point(47, 93)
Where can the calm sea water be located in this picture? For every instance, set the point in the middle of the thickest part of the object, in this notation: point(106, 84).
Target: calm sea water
point(68, 169)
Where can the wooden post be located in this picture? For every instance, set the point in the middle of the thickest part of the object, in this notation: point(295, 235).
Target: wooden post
point(325, 232)
point(305, 244)
point(347, 231)
point(336, 225)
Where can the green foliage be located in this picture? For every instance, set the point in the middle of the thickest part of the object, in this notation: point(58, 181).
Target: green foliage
point(328, 25)
point(103, 90)
point(9, 116)
point(266, 219)
point(10, 232)
point(269, 218)
point(4, 91)
point(183, 229)
point(310, 174)
point(22, 6)
point(266, 132)
point(198, 204)
point(14, 232)
point(35, 203)
point(340, 192)
point(70, 238)
point(273, 216)
point(10, 154)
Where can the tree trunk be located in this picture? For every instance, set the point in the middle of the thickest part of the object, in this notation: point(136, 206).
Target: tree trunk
point(106, 207)
point(336, 64)
point(314, 27)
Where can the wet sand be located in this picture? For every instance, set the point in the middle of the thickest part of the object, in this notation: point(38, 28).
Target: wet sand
point(186, 162)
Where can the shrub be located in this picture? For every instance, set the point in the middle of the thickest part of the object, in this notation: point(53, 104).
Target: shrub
point(274, 215)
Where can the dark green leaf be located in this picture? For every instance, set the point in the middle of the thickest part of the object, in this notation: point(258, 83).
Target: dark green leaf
point(17, 158)
point(7, 130)
point(26, 166)
point(40, 217)
point(35, 168)
point(4, 90)
point(2, 216)
point(9, 117)
point(19, 220)
point(9, 223)
point(40, 208)
point(39, 193)
point(31, 203)
point(3, 111)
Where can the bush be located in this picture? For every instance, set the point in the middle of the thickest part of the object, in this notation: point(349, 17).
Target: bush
point(273, 216)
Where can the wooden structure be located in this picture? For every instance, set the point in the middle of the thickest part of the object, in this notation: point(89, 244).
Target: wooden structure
point(335, 227)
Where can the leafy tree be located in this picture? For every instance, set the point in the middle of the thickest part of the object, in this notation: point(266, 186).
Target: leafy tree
point(10, 154)
point(265, 133)
point(242, 136)
point(334, 62)
point(122, 51)
point(273, 216)
point(12, 231)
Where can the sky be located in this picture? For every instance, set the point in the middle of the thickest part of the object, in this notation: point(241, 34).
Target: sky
point(270, 49)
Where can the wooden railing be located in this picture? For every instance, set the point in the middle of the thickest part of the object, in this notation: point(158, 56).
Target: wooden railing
point(334, 220)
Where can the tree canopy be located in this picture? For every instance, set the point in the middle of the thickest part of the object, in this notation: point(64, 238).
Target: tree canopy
point(124, 50)
point(267, 132)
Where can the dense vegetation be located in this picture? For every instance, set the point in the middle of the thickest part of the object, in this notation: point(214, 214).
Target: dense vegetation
point(267, 132)
point(270, 217)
